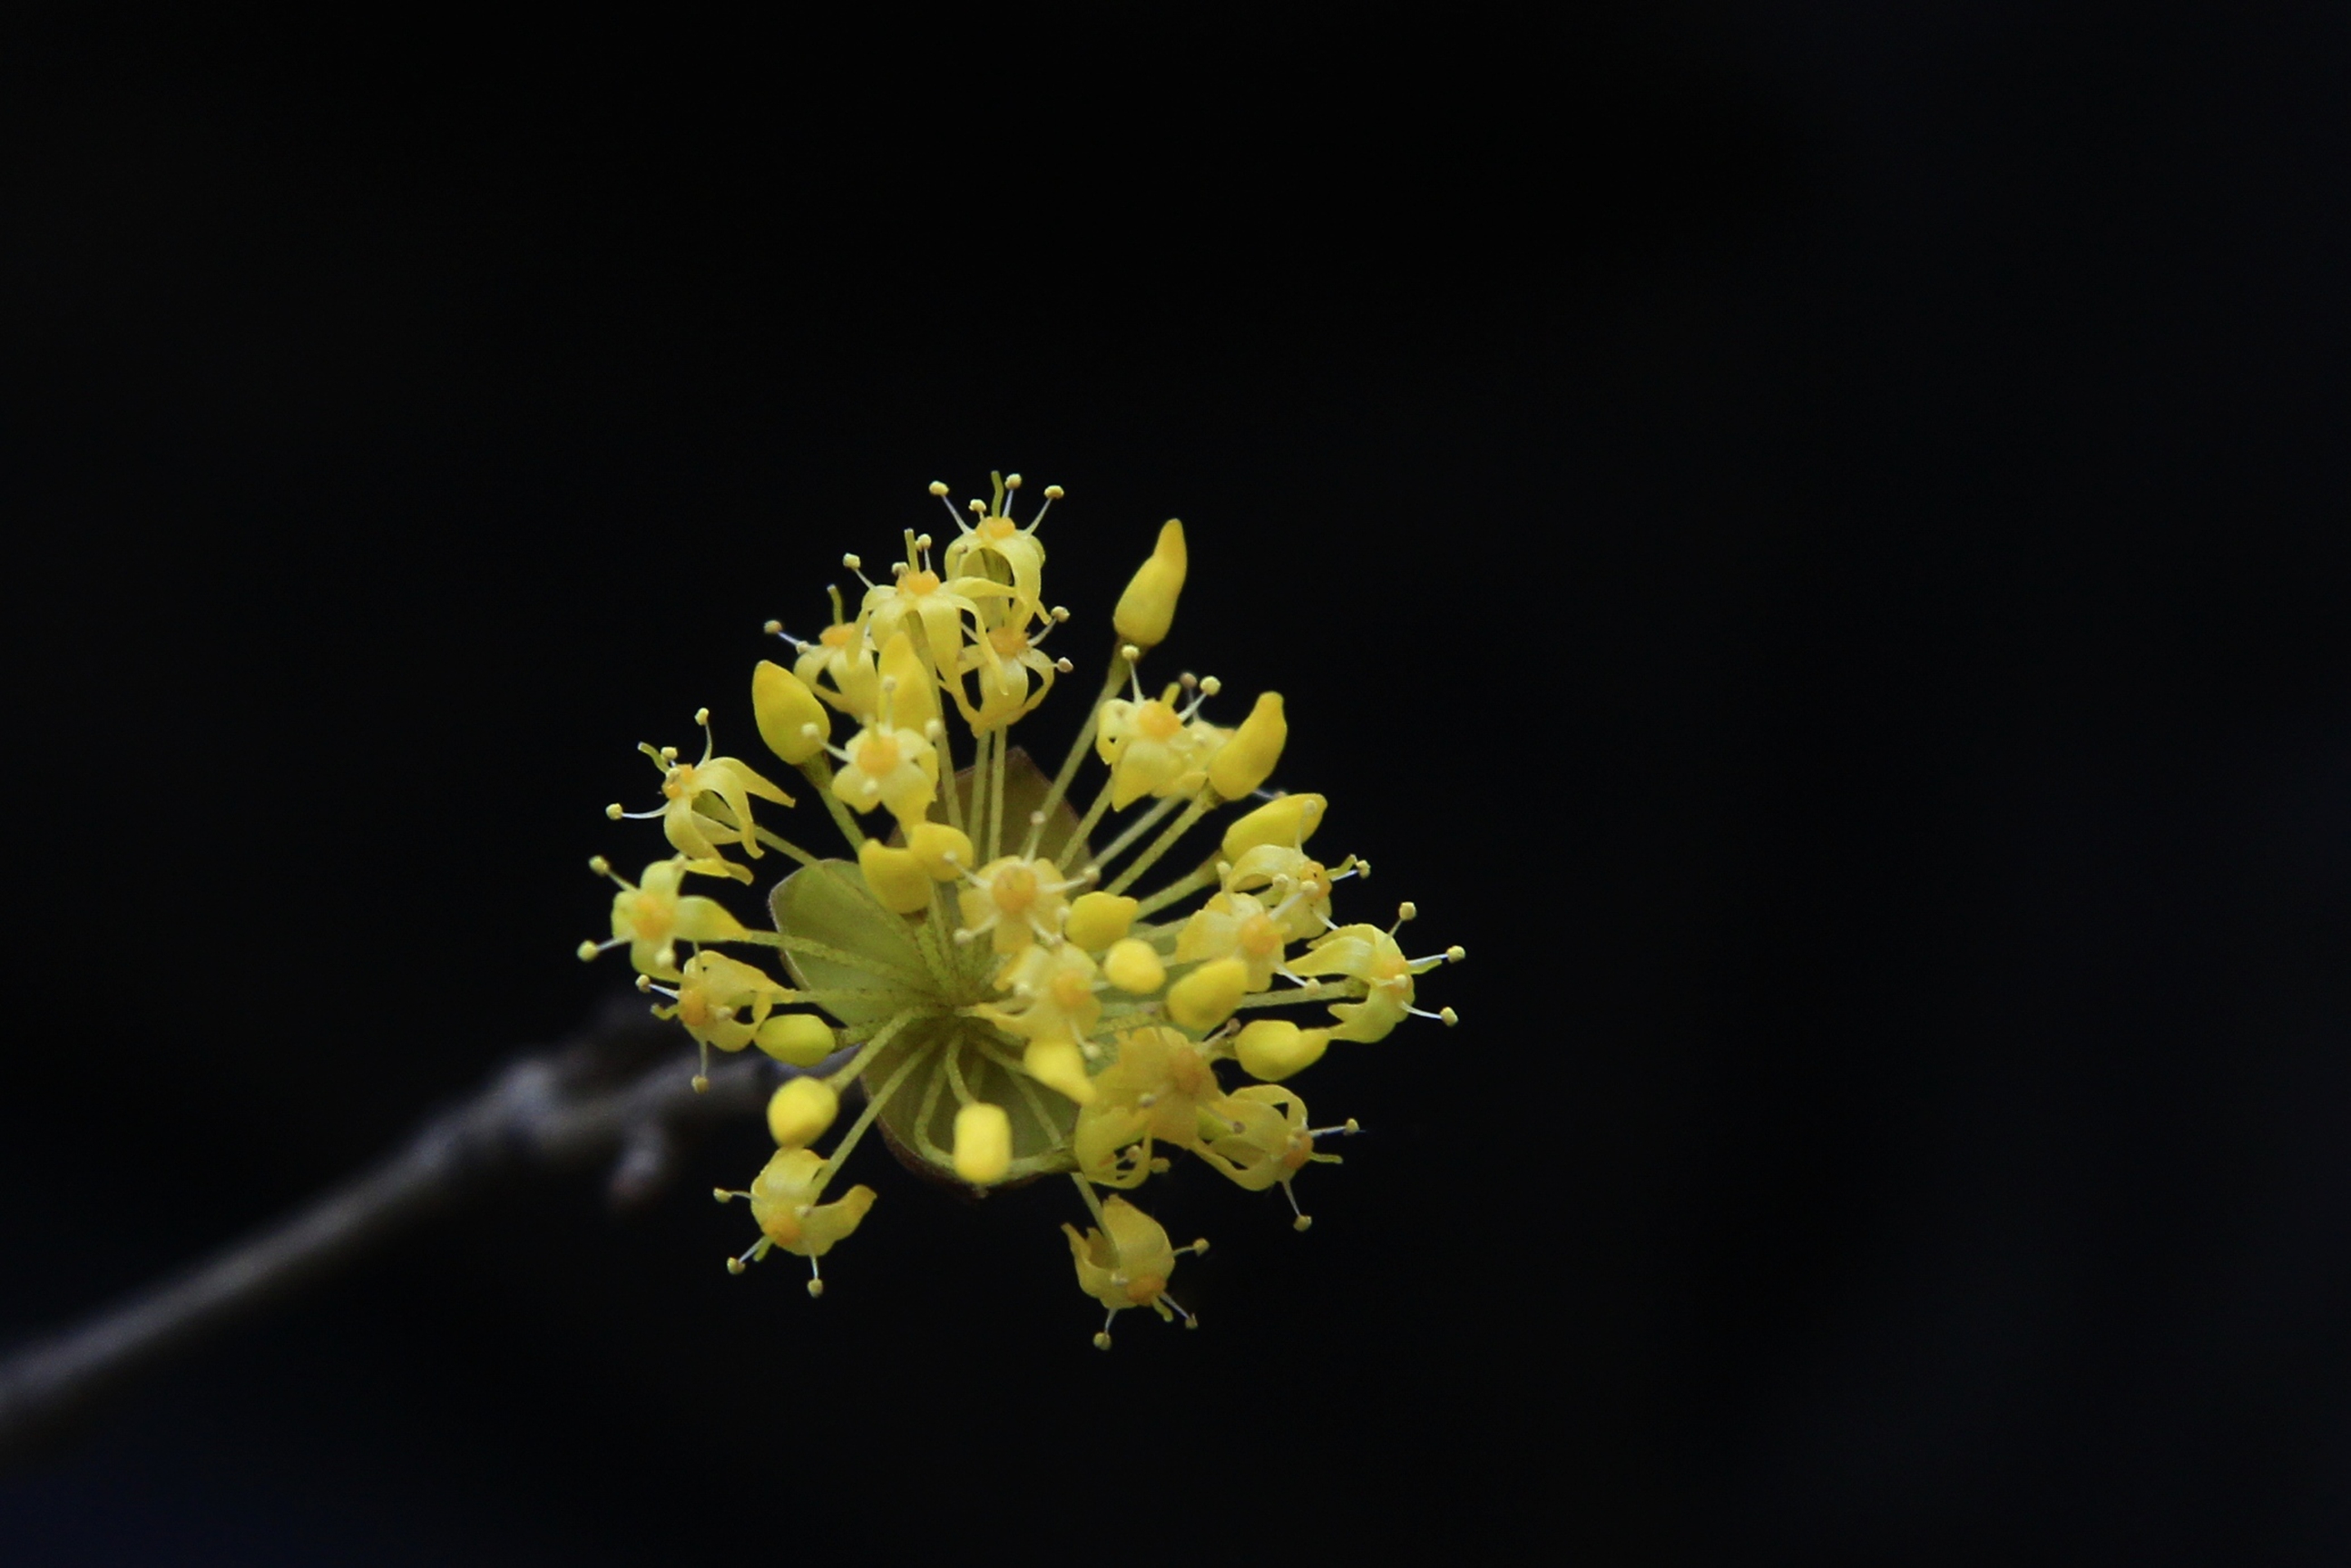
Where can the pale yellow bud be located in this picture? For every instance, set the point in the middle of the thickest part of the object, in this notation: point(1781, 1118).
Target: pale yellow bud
point(1148, 608)
point(1134, 967)
point(799, 1040)
point(1273, 1049)
point(1288, 823)
point(786, 709)
point(1207, 996)
point(800, 1111)
point(1099, 919)
point(945, 852)
point(1058, 1064)
point(1247, 760)
point(983, 1143)
point(898, 877)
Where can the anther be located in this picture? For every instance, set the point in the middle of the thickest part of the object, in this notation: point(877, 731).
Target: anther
point(1407, 910)
point(1448, 1015)
point(669, 753)
point(600, 865)
point(614, 811)
point(722, 1195)
point(1054, 492)
point(937, 489)
point(773, 628)
point(588, 951)
point(1061, 613)
point(701, 1085)
point(1063, 667)
point(734, 1265)
point(702, 716)
point(1210, 685)
point(1130, 652)
point(645, 983)
point(1101, 1340)
point(854, 563)
point(1454, 954)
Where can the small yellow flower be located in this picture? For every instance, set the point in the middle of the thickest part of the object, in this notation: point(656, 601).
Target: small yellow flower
point(997, 550)
point(784, 1201)
point(1156, 1090)
point(722, 1002)
point(1270, 1142)
point(838, 665)
point(1368, 954)
point(1126, 1263)
point(1155, 749)
point(1235, 925)
point(1014, 901)
point(687, 789)
point(652, 917)
point(888, 766)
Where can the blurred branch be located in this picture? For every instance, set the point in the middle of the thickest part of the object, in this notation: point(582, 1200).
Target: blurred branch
point(593, 1100)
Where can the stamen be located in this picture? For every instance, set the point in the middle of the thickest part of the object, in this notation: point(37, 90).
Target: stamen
point(1303, 1220)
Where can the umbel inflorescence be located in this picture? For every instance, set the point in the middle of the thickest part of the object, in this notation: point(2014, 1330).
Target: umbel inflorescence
point(990, 970)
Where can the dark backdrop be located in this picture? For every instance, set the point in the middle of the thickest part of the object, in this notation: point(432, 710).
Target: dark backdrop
point(1810, 540)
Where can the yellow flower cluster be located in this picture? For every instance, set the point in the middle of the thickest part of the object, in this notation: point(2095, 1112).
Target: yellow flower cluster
point(980, 970)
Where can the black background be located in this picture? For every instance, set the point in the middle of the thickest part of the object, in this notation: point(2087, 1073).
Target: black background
point(1812, 541)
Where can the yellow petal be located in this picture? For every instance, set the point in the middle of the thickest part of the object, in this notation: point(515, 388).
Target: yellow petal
point(1248, 759)
point(1058, 1064)
point(1287, 822)
point(1273, 1049)
point(1207, 996)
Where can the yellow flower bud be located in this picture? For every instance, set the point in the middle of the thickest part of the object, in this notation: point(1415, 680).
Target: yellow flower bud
point(800, 1111)
point(1207, 996)
point(799, 1040)
point(1273, 1049)
point(898, 877)
point(1134, 967)
point(945, 852)
point(983, 1143)
point(1288, 823)
point(785, 709)
point(1148, 608)
point(1099, 919)
point(1058, 1064)
point(1247, 760)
